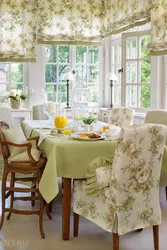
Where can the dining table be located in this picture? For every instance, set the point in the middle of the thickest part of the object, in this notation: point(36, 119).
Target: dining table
point(68, 158)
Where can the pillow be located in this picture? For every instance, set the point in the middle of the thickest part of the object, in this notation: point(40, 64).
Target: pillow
point(15, 135)
point(23, 156)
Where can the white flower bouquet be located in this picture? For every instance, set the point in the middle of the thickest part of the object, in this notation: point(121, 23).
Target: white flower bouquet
point(17, 95)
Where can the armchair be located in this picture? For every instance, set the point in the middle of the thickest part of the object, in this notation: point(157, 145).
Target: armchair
point(19, 157)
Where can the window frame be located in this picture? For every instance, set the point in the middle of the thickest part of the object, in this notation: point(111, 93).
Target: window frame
point(117, 40)
point(9, 83)
point(137, 34)
point(72, 68)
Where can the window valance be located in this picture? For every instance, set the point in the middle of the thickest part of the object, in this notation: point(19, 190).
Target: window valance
point(18, 23)
point(158, 45)
point(71, 21)
point(121, 15)
point(24, 23)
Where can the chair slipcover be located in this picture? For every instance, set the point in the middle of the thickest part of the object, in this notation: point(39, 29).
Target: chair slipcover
point(132, 199)
point(121, 116)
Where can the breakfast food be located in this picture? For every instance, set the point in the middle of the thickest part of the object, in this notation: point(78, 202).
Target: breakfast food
point(104, 128)
point(89, 136)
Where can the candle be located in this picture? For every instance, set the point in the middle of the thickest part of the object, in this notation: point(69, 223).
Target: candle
point(51, 107)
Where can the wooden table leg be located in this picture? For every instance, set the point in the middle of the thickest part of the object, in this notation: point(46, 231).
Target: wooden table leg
point(66, 208)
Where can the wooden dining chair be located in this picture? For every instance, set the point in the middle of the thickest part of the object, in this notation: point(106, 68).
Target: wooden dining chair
point(20, 158)
point(123, 196)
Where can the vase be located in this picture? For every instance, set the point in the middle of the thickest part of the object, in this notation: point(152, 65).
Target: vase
point(15, 104)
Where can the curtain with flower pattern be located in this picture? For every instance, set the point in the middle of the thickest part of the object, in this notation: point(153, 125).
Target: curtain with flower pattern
point(71, 21)
point(18, 23)
point(121, 15)
point(158, 45)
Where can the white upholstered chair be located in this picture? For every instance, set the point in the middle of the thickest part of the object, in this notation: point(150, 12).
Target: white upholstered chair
point(124, 195)
point(158, 117)
point(38, 113)
point(121, 116)
point(6, 116)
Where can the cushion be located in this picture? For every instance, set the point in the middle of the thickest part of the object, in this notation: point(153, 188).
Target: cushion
point(23, 156)
point(15, 135)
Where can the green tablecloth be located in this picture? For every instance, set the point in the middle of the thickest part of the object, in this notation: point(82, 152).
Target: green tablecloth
point(69, 158)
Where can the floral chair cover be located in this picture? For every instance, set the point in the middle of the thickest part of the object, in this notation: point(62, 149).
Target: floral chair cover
point(131, 201)
point(121, 117)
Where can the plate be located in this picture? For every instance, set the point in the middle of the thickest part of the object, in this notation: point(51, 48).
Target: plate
point(88, 139)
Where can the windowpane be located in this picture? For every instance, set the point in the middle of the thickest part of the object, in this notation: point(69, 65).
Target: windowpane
point(4, 72)
point(131, 74)
point(131, 48)
point(17, 72)
point(3, 88)
point(145, 71)
point(117, 94)
point(50, 73)
point(144, 41)
point(93, 74)
point(81, 74)
point(63, 90)
point(51, 53)
point(50, 88)
point(93, 55)
point(62, 70)
point(131, 96)
point(93, 93)
point(16, 86)
point(144, 96)
point(81, 54)
point(64, 54)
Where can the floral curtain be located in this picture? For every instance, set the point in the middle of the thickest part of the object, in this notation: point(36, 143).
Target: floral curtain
point(158, 45)
point(71, 21)
point(121, 15)
point(18, 22)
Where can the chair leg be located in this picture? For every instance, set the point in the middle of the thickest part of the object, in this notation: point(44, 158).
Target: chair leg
point(156, 237)
point(76, 224)
point(41, 218)
point(3, 197)
point(115, 241)
point(12, 194)
point(48, 211)
point(33, 194)
point(50, 207)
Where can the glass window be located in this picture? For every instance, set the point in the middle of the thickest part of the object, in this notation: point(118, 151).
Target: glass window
point(137, 70)
point(11, 77)
point(59, 59)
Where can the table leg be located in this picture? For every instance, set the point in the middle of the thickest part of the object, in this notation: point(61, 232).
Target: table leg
point(66, 208)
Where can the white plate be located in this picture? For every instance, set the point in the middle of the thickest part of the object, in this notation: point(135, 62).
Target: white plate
point(90, 139)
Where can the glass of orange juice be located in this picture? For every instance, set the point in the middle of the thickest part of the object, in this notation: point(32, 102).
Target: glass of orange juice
point(67, 133)
point(60, 122)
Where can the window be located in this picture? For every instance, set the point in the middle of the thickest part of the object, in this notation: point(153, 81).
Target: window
point(57, 63)
point(11, 77)
point(136, 69)
point(116, 59)
point(83, 61)
point(87, 70)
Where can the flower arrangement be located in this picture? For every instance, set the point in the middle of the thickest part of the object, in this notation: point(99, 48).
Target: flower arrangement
point(16, 95)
